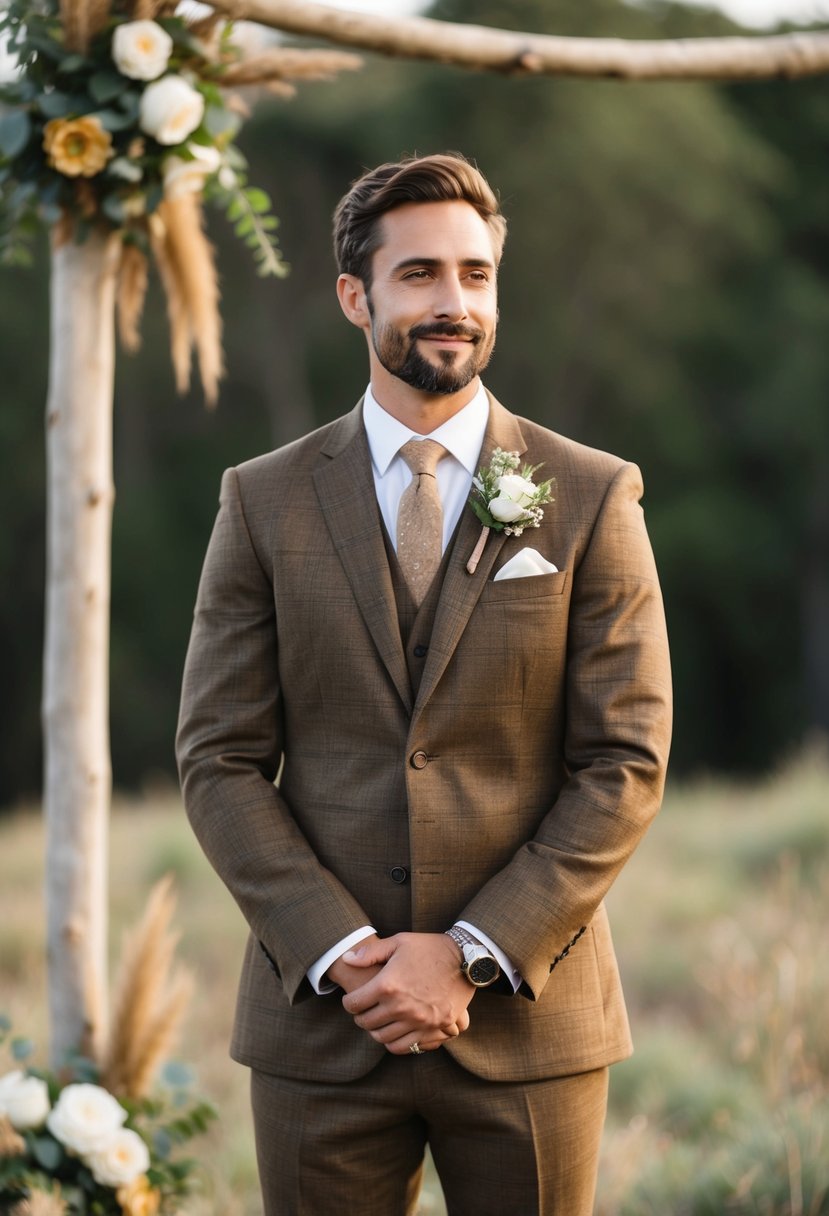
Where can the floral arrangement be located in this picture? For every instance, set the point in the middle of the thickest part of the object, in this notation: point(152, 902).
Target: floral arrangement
point(507, 501)
point(70, 1147)
point(91, 1139)
point(119, 120)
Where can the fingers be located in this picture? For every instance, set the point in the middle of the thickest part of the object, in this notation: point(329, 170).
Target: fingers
point(370, 953)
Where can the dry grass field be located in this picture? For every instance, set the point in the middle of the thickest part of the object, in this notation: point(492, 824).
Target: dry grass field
point(721, 928)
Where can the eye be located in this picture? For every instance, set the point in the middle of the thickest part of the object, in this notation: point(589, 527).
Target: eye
point(417, 274)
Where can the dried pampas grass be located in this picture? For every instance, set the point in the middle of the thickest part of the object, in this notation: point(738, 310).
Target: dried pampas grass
point(41, 1203)
point(132, 290)
point(11, 1144)
point(82, 20)
point(150, 999)
point(187, 266)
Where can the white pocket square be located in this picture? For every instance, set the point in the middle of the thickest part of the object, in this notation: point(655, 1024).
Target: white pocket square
point(524, 565)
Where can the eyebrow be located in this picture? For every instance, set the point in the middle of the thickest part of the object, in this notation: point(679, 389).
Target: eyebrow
point(434, 263)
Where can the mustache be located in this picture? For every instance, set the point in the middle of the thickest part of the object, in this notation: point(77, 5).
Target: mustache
point(447, 329)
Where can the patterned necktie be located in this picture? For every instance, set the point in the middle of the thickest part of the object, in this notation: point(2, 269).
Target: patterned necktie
point(420, 517)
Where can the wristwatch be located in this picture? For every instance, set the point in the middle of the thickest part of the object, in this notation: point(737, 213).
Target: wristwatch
point(478, 964)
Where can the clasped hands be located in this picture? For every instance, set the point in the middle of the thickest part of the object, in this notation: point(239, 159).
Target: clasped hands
point(405, 989)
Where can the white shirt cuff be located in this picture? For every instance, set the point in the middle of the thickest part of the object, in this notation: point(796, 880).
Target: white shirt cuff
point(504, 962)
point(315, 973)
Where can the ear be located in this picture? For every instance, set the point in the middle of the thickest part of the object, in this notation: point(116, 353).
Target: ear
point(353, 300)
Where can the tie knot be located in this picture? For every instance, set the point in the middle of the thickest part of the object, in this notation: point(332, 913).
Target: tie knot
point(422, 455)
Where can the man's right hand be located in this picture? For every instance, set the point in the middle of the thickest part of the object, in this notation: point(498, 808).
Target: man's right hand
point(420, 997)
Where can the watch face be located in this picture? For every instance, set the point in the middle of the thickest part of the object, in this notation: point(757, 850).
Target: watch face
point(483, 970)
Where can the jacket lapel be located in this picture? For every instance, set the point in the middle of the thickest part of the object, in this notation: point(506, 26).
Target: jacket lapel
point(460, 591)
point(345, 489)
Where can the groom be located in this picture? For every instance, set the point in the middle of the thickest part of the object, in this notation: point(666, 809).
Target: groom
point(419, 782)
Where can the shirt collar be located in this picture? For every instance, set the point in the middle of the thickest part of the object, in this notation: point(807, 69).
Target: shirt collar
point(462, 435)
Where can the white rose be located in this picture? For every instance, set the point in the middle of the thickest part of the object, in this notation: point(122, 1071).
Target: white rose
point(170, 110)
point(504, 509)
point(24, 1100)
point(141, 49)
point(85, 1118)
point(125, 1158)
point(188, 176)
point(519, 489)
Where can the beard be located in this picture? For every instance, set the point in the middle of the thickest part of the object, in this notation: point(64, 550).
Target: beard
point(400, 356)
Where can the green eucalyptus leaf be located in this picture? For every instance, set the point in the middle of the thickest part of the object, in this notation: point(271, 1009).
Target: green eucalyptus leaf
point(47, 1152)
point(113, 208)
point(220, 121)
point(113, 120)
point(258, 200)
point(57, 104)
point(22, 1048)
point(15, 130)
point(72, 63)
point(105, 86)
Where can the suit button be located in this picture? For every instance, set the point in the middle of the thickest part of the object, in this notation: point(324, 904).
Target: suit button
point(398, 873)
point(419, 760)
point(420, 652)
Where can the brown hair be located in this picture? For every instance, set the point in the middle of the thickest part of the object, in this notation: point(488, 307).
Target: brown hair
point(445, 177)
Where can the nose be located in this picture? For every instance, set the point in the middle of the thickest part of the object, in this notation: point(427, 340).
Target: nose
point(450, 302)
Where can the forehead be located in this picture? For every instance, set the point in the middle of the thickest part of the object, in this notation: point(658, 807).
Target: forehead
point(449, 232)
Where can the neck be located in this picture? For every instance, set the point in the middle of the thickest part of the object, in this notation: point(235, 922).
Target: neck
point(421, 412)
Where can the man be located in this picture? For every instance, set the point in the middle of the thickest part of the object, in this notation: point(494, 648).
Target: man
point(419, 782)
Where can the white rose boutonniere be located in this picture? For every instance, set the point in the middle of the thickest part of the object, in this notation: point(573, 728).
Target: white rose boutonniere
point(141, 49)
point(85, 1118)
point(24, 1100)
point(170, 110)
point(507, 501)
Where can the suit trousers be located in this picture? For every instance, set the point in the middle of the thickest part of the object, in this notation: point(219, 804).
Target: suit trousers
point(529, 1148)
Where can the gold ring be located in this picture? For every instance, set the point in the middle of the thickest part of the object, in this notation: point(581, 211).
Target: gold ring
point(414, 1048)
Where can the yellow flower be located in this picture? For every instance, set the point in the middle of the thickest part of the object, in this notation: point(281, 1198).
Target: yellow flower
point(77, 147)
point(139, 1198)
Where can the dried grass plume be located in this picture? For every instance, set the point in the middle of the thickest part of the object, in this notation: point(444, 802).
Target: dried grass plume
point(150, 999)
point(11, 1143)
point(41, 1203)
point(187, 266)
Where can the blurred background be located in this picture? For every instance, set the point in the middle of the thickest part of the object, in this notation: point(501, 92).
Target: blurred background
point(664, 295)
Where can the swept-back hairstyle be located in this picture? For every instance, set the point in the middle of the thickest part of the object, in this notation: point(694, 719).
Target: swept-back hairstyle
point(445, 177)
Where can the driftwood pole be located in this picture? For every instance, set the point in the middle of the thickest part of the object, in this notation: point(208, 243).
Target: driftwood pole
point(77, 777)
point(513, 52)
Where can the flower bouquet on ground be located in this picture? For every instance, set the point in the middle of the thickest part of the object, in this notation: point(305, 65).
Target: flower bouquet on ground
point(91, 1139)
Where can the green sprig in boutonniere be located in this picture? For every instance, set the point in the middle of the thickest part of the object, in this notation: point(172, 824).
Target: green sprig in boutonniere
point(507, 501)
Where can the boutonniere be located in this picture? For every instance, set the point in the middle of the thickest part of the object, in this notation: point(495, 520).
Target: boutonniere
point(507, 501)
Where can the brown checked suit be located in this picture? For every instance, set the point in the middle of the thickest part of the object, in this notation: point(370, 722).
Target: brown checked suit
point(501, 776)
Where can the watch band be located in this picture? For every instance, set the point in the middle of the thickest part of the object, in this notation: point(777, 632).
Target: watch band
point(461, 937)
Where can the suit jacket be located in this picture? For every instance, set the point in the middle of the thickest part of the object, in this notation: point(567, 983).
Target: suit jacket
point(508, 791)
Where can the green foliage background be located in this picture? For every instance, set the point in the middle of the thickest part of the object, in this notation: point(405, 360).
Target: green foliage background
point(664, 295)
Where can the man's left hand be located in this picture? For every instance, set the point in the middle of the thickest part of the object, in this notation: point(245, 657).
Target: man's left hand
point(420, 995)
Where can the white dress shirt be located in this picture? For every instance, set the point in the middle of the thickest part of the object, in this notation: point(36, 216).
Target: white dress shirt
point(463, 437)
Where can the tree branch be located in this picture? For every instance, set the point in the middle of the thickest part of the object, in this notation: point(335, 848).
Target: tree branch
point(516, 53)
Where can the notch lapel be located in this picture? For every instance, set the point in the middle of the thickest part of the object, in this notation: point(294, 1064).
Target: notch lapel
point(347, 498)
point(460, 591)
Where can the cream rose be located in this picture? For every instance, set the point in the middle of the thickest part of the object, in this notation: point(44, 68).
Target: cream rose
point(188, 176)
point(85, 1118)
point(170, 110)
point(515, 494)
point(141, 49)
point(125, 1158)
point(24, 1100)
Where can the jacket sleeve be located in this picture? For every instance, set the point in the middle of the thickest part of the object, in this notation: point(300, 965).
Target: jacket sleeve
point(229, 750)
point(618, 721)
